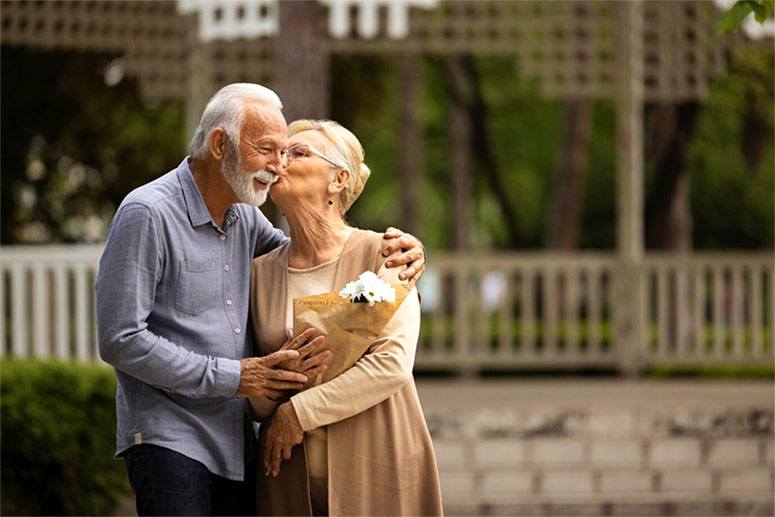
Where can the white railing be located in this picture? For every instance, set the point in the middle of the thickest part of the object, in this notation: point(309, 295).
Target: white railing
point(47, 301)
point(504, 311)
point(517, 311)
point(713, 308)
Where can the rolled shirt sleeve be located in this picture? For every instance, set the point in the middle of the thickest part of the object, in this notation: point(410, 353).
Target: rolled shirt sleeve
point(130, 271)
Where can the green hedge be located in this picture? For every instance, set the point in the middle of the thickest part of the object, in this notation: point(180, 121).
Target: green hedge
point(58, 439)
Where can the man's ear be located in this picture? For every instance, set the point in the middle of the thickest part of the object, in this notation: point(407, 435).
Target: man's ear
point(217, 143)
point(339, 182)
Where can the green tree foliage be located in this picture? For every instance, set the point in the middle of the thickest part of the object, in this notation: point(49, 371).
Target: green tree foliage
point(731, 20)
point(74, 147)
point(731, 190)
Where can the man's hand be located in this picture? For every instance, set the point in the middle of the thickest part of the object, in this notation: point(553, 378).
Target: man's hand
point(263, 376)
point(313, 358)
point(413, 253)
point(283, 434)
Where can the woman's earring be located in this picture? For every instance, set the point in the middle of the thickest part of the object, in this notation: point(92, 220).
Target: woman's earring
point(330, 201)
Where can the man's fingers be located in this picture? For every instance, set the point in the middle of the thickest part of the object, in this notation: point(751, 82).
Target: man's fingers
point(413, 279)
point(405, 258)
point(390, 246)
point(392, 233)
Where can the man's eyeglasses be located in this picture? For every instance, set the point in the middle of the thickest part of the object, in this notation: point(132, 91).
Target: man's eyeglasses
point(297, 151)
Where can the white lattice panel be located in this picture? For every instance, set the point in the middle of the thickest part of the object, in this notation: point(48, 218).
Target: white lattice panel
point(228, 19)
point(569, 47)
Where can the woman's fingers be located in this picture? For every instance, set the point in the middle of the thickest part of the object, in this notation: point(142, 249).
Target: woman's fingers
point(287, 453)
point(283, 385)
point(315, 361)
point(285, 376)
point(275, 358)
point(319, 370)
point(294, 343)
point(273, 394)
point(276, 458)
point(312, 346)
point(302, 338)
point(268, 449)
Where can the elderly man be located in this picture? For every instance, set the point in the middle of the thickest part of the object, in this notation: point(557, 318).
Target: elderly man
point(172, 312)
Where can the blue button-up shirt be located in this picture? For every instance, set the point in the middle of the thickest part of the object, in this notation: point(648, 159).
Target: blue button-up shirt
point(172, 318)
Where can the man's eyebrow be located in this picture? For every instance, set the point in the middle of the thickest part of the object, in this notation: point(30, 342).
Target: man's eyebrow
point(270, 140)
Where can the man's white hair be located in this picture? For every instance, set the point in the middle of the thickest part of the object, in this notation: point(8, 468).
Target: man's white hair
point(226, 109)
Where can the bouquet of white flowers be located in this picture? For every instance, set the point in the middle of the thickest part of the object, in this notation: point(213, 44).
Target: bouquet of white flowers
point(350, 319)
point(369, 289)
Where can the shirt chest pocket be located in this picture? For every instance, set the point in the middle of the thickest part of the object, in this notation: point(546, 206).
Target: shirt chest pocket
point(199, 285)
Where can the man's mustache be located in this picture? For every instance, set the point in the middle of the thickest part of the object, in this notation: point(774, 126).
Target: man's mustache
point(266, 177)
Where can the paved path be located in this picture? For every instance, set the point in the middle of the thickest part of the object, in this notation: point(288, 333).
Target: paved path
point(454, 394)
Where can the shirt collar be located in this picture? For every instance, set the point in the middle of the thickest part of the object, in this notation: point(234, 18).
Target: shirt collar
point(195, 205)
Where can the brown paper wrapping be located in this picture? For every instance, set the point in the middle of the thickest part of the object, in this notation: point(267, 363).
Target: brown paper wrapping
point(349, 327)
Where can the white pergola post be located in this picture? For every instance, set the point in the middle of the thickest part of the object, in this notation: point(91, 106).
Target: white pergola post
point(629, 289)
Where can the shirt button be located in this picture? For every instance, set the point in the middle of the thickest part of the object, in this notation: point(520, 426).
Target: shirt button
point(228, 302)
point(227, 268)
point(223, 237)
point(237, 330)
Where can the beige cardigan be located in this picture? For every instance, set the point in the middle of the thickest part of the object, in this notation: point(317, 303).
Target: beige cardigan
point(380, 459)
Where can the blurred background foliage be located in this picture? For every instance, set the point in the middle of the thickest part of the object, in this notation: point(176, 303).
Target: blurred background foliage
point(58, 439)
point(73, 147)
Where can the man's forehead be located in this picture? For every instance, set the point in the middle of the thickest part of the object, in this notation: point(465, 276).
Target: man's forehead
point(264, 119)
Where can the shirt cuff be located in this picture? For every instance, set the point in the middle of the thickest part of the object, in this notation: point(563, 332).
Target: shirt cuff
point(227, 375)
point(305, 418)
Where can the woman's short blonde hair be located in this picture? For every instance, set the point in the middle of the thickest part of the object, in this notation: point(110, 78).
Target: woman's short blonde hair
point(347, 150)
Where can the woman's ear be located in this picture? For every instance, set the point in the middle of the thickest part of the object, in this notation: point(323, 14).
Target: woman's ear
point(217, 143)
point(339, 181)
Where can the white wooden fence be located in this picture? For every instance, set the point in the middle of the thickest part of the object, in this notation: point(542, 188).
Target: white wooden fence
point(47, 301)
point(504, 311)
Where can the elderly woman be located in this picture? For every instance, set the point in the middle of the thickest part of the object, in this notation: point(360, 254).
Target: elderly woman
point(357, 444)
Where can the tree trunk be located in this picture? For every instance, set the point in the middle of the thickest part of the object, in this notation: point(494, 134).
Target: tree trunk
point(302, 61)
point(465, 90)
point(668, 213)
point(302, 69)
point(563, 221)
point(410, 157)
point(460, 163)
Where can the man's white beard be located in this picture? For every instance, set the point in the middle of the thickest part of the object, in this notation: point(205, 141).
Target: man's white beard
point(241, 182)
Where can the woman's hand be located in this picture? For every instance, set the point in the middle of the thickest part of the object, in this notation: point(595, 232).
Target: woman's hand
point(312, 359)
point(283, 434)
point(394, 240)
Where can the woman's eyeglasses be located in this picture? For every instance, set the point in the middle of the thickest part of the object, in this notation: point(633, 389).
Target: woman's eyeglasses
point(297, 151)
